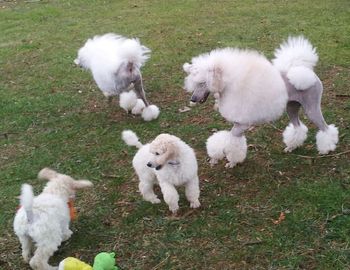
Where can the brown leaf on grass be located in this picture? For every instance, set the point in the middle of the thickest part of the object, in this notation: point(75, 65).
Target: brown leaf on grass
point(280, 218)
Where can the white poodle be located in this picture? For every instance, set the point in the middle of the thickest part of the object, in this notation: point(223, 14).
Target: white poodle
point(115, 64)
point(168, 162)
point(250, 90)
point(44, 220)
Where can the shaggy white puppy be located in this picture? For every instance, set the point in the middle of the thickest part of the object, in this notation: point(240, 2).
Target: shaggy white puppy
point(168, 162)
point(44, 220)
point(115, 64)
point(250, 90)
point(223, 144)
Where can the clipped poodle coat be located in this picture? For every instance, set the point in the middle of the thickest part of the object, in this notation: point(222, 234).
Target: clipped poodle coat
point(115, 63)
point(250, 90)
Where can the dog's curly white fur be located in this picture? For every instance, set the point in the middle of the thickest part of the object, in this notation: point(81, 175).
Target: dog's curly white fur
point(43, 220)
point(250, 90)
point(115, 64)
point(223, 144)
point(168, 162)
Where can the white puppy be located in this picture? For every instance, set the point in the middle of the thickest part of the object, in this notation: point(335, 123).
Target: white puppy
point(223, 144)
point(115, 64)
point(166, 161)
point(44, 220)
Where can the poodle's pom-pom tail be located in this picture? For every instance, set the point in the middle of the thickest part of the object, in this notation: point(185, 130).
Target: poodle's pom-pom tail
point(151, 112)
point(138, 108)
point(127, 100)
point(131, 139)
point(327, 140)
point(47, 174)
point(26, 200)
point(296, 51)
point(294, 137)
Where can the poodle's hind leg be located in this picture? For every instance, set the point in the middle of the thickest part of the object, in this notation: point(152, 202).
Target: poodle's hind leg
point(40, 260)
point(327, 136)
point(171, 197)
point(146, 189)
point(27, 245)
point(237, 149)
point(295, 133)
point(192, 192)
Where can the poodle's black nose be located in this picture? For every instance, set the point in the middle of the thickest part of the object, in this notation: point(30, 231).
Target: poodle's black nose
point(194, 99)
point(158, 167)
point(149, 164)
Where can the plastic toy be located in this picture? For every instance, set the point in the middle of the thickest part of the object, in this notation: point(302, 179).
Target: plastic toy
point(102, 261)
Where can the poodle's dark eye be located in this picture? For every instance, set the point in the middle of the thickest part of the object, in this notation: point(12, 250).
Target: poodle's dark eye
point(157, 154)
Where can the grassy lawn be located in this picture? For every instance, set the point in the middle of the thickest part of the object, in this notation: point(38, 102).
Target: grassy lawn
point(52, 114)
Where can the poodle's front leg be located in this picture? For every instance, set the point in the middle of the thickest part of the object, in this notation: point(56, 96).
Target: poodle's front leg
point(171, 197)
point(238, 147)
point(146, 189)
point(192, 192)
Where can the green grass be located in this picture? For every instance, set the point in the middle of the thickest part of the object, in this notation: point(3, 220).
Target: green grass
point(52, 114)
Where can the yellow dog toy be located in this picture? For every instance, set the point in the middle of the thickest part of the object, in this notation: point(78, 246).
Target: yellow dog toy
point(103, 261)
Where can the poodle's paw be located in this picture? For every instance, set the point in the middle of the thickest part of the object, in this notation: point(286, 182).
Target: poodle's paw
point(26, 256)
point(154, 200)
point(174, 208)
point(327, 140)
point(230, 164)
point(195, 204)
point(213, 162)
point(289, 149)
point(67, 235)
point(294, 136)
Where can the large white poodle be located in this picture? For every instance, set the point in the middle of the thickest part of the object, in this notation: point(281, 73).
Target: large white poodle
point(115, 64)
point(44, 220)
point(250, 90)
point(168, 162)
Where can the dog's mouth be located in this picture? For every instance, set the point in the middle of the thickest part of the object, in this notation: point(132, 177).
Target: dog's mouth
point(204, 99)
point(196, 99)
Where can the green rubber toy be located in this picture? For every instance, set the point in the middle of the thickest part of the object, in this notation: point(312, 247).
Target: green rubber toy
point(105, 261)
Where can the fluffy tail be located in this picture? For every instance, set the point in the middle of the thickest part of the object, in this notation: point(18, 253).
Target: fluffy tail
point(297, 57)
point(130, 138)
point(26, 198)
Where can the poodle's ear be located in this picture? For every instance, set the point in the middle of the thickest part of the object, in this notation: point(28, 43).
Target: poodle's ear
point(187, 68)
point(80, 184)
point(171, 152)
point(215, 80)
point(47, 174)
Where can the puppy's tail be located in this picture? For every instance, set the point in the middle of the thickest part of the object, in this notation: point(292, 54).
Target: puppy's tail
point(26, 199)
point(296, 57)
point(130, 138)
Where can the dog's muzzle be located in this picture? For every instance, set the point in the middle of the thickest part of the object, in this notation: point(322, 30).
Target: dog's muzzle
point(149, 164)
point(196, 99)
